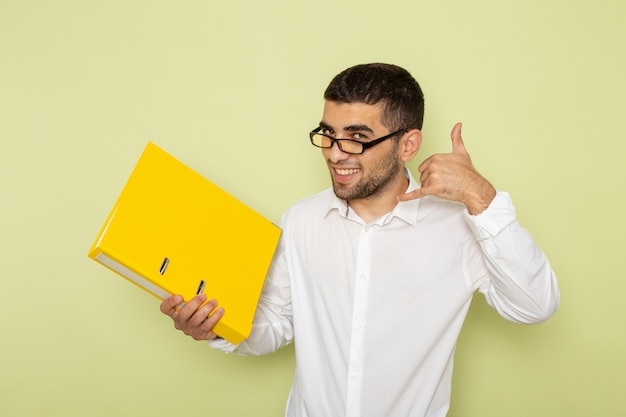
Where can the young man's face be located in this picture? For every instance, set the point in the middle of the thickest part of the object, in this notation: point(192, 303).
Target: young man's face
point(367, 175)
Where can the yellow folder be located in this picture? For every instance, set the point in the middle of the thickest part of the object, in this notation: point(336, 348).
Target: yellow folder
point(172, 231)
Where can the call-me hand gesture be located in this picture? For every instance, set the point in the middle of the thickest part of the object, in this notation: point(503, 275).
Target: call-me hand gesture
point(452, 176)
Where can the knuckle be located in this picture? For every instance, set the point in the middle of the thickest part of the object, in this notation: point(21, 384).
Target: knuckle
point(210, 322)
point(198, 335)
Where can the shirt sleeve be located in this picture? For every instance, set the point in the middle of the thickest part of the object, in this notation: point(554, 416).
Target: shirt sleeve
point(273, 325)
point(521, 285)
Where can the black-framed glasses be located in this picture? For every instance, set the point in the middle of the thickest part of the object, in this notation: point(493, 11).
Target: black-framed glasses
point(346, 145)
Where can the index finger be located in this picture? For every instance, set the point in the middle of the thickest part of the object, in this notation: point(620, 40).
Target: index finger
point(168, 306)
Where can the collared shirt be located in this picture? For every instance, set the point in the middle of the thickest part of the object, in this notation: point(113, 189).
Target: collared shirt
point(375, 309)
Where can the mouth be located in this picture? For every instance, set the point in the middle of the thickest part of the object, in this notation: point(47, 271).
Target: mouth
point(346, 171)
point(344, 175)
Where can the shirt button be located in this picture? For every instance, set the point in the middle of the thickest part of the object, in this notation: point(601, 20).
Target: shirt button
point(362, 277)
point(367, 229)
point(356, 376)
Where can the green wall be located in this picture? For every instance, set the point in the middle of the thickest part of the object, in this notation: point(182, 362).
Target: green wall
point(232, 88)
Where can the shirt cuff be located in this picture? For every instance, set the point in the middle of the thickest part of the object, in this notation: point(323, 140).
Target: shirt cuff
point(498, 216)
point(222, 344)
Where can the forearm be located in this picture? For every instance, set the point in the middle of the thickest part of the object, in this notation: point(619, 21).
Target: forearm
point(272, 327)
point(269, 333)
point(522, 286)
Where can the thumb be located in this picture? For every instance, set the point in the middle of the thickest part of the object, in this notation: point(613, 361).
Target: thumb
point(457, 141)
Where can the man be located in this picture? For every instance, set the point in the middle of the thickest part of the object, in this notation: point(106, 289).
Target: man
point(373, 279)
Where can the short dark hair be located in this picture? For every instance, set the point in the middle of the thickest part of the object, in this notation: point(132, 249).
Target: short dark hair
point(392, 85)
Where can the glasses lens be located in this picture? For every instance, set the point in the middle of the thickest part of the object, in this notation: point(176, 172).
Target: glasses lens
point(321, 140)
point(347, 146)
point(350, 146)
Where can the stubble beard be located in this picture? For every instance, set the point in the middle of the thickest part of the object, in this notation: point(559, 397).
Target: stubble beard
point(379, 182)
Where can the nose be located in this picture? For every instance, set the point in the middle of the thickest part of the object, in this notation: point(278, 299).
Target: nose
point(334, 154)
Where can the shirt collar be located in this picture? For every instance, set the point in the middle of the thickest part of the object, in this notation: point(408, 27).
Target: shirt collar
point(405, 210)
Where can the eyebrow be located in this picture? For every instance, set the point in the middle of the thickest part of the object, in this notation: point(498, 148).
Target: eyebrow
point(350, 128)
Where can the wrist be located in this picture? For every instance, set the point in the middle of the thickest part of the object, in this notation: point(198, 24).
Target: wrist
point(480, 200)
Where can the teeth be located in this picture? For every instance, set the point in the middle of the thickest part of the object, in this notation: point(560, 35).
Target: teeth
point(346, 171)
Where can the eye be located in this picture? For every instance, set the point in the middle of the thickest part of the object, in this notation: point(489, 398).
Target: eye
point(327, 131)
point(359, 136)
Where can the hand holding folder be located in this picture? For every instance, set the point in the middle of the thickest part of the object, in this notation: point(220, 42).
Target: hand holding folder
point(196, 318)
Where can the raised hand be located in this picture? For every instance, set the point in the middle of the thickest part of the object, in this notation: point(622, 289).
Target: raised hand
point(452, 176)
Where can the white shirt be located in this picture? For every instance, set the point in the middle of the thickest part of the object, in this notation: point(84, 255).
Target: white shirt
point(376, 309)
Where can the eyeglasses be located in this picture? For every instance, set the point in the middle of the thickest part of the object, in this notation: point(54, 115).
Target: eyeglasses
point(346, 145)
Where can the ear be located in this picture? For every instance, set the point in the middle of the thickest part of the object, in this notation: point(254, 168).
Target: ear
point(410, 144)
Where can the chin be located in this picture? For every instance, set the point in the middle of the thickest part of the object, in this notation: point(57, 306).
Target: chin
point(342, 191)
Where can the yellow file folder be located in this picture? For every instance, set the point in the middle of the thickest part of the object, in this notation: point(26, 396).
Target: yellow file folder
point(172, 231)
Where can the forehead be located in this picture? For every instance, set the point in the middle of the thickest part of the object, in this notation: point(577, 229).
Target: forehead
point(340, 116)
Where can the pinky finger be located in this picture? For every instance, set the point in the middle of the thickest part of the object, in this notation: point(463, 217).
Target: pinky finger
point(415, 194)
